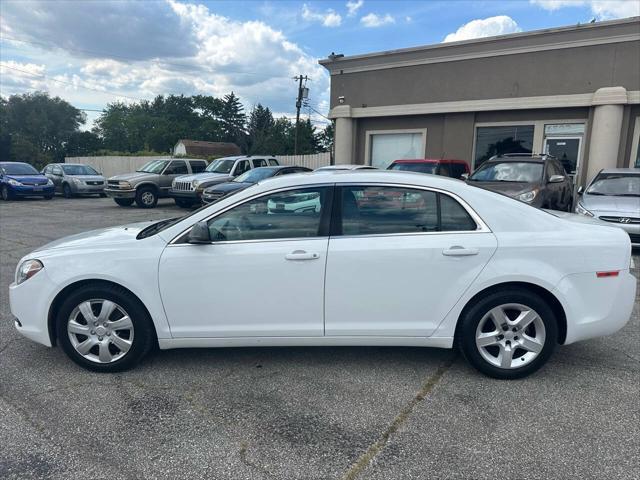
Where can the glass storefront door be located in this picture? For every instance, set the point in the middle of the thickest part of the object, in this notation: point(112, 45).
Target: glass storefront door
point(567, 150)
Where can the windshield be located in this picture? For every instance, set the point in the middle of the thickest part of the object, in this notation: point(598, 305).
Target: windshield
point(255, 175)
point(221, 166)
point(154, 166)
point(19, 169)
point(616, 184)
point(508, 172)
point(415, 167)
point(79, 170)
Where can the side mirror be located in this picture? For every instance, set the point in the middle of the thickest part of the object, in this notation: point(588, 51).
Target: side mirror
point(556, 178)
point(464, 176)
point(199, 233)
point(580, 190)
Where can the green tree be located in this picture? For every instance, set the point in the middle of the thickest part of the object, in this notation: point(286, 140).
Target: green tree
point(233, 120)
point(35, 127)
point(326, 137)
point(259, 130)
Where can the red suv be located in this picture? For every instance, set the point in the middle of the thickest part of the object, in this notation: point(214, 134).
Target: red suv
point(434, 166)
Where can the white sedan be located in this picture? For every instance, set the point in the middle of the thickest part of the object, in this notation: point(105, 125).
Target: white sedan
point(386, 258)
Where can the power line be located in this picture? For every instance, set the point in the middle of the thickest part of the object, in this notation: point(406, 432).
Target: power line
point(132, 59)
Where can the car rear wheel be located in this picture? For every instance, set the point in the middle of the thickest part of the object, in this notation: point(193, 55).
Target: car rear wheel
point(146, 197)
point(66, 191)
point(182, 203)
point(104, 328)
point(508, 334)
point(5, 193)
point(124, 202)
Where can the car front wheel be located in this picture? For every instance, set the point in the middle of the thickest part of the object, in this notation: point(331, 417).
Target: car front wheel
point(104, 328)
point(508, 334)
point(146, 197)
point(5, 193)
point(66, 191)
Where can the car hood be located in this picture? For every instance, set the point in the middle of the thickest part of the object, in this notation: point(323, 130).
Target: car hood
point(205, 176)
point(133, 176)
point(38, 179)
point(601, 204)
point(229, 187)
point(88, 178)
point(511, 189)
point(103, 236)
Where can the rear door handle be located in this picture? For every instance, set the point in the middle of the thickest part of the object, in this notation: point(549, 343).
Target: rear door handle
point(301, 255)
point(458, 251)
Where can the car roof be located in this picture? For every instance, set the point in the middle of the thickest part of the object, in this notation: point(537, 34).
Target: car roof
point(633, 171)
point(523, 158)
point(429, 160)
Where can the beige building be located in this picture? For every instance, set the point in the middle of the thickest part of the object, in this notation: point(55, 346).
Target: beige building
point(573, 92)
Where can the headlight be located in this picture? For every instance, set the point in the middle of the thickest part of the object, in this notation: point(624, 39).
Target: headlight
point(527, 197)
point(124, 184)
point(28, 269)
point(49, 182)
point(583, 211)
point(77, 181)
point(195, 183)
point(13, 182)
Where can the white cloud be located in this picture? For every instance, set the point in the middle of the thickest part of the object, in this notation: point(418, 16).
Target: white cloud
point(353, 6)
point(484, 27)
point(602, 9)
point(373, 20)
point(329, 18)
point(250, 58)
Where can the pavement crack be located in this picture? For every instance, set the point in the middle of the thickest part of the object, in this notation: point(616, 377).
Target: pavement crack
point(376, 447)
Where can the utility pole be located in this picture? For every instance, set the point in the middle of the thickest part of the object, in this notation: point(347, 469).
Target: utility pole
point(303, 93)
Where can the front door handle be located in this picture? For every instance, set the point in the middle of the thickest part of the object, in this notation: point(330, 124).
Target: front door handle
point(458, 251)
point(301, 255)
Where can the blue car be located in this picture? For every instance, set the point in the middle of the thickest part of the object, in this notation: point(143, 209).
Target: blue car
point(19, 179)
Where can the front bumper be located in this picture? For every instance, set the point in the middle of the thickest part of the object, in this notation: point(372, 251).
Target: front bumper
point(185, 194)
point(117, 193)
point(31, 191)
point(86, 189)
point(29, 302)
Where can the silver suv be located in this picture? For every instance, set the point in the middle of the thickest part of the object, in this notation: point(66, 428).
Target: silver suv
point(151, 181)
point(187, 190)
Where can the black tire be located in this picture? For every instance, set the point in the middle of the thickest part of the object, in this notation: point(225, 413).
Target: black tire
point(146, 197)
point(472, 316)
point(48, 197)
point(66, 191)
point(124, 202)
point(102, 195)
point(5, 193)
point(144, 336)
point(182, 203)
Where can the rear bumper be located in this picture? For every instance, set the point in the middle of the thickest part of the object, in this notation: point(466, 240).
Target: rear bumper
point(115, 193)
point(595, 306)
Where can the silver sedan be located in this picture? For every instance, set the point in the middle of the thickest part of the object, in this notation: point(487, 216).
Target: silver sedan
point(614, 196)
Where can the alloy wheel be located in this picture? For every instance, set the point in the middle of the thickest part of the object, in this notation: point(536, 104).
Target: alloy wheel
point(510, 336)
point(100, 330)
point(147, 198)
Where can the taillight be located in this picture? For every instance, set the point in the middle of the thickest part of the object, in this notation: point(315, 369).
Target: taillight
point(612, 273)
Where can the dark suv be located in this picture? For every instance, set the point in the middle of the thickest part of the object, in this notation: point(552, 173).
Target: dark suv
point(539, 180)
point(436, 166)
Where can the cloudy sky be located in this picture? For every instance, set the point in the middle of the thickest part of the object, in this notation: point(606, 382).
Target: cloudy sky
point(95, 52)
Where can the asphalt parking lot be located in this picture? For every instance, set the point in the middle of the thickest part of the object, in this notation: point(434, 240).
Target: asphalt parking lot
point(366, 413)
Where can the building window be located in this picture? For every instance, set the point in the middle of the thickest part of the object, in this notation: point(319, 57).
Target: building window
point(492, 141)
point(634, 161)
point(384, 148)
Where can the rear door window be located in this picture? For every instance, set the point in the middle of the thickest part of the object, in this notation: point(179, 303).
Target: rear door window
point(381, 210)
point(273, 162)
point(197, 167)
point(259, 162)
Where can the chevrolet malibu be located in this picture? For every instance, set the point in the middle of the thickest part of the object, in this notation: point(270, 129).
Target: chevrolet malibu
point(432, 262)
